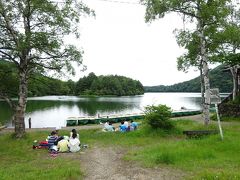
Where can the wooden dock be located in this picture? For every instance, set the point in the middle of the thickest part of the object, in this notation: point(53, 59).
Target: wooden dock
point(75, 121)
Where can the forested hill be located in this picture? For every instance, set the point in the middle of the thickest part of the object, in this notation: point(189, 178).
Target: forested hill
point(39, 85)
point(108, 85)
point(218, 79)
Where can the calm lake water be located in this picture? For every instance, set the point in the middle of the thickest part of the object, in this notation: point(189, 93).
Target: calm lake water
point(52, 111)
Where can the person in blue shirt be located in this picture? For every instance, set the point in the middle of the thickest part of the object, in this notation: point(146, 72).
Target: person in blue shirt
point(134, 125)
point(122, 127)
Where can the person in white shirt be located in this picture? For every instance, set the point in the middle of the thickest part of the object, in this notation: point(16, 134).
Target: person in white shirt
point(74, 143)
point(106, 125)
point(74, 131)
point(127, 125)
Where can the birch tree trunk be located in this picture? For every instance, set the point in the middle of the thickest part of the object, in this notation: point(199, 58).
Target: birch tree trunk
point(205, 70)
point(202, 85)
point(21, 105)
point(206, 105)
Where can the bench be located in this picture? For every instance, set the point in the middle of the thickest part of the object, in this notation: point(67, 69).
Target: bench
point(199, 133)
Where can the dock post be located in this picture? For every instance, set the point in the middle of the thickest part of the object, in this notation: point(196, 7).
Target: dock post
point(29, 123)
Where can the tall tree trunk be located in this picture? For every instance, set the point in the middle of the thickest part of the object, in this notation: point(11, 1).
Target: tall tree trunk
point(206, 104)
point(202, 85)
point(235, 81)
point(21, 105)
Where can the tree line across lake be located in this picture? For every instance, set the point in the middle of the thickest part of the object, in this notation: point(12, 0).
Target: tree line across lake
point(219, 78)
point(40, 85)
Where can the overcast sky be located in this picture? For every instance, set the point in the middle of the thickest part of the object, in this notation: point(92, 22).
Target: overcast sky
point(118, 41)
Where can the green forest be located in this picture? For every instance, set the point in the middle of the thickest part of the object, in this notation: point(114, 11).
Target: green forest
point(39, 85)
point(219, 78)
point(108, 85)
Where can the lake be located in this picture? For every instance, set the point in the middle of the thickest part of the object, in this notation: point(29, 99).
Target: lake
point(52, 111)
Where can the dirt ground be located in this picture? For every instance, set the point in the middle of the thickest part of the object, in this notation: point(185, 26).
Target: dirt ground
point(107, 164)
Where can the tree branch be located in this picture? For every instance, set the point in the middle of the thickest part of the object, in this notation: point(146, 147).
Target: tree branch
point(45, 66)
point(9, 57)
point(8, 26)
point(185, 12)
point(8, 100)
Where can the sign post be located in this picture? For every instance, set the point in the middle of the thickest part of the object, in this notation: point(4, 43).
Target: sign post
point(216, 99)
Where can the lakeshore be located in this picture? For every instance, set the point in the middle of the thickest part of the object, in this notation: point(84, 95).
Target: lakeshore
point(52, 111)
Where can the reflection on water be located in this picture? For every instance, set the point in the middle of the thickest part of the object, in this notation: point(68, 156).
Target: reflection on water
point(52, 111)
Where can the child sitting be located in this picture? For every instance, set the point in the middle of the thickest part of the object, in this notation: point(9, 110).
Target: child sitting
point(74, 143)
point(63, 144)
point(52, 139)
point(122, 127)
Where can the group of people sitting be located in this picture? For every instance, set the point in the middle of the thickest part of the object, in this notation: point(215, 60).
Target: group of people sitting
point(125, 126)
point(56, 143)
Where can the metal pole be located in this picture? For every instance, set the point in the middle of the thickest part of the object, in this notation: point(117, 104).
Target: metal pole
point(219, 124)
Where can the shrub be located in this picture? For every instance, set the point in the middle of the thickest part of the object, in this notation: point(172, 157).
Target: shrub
point(158, 116)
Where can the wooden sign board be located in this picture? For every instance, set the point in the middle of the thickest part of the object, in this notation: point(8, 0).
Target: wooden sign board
point(215, 96)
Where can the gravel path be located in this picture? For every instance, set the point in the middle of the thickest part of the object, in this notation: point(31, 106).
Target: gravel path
point(107, 164)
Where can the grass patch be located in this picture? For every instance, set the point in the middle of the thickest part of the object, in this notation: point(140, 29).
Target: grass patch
point(19, 161)
point(225, 119)
point(196, 155)
point(165, 158)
